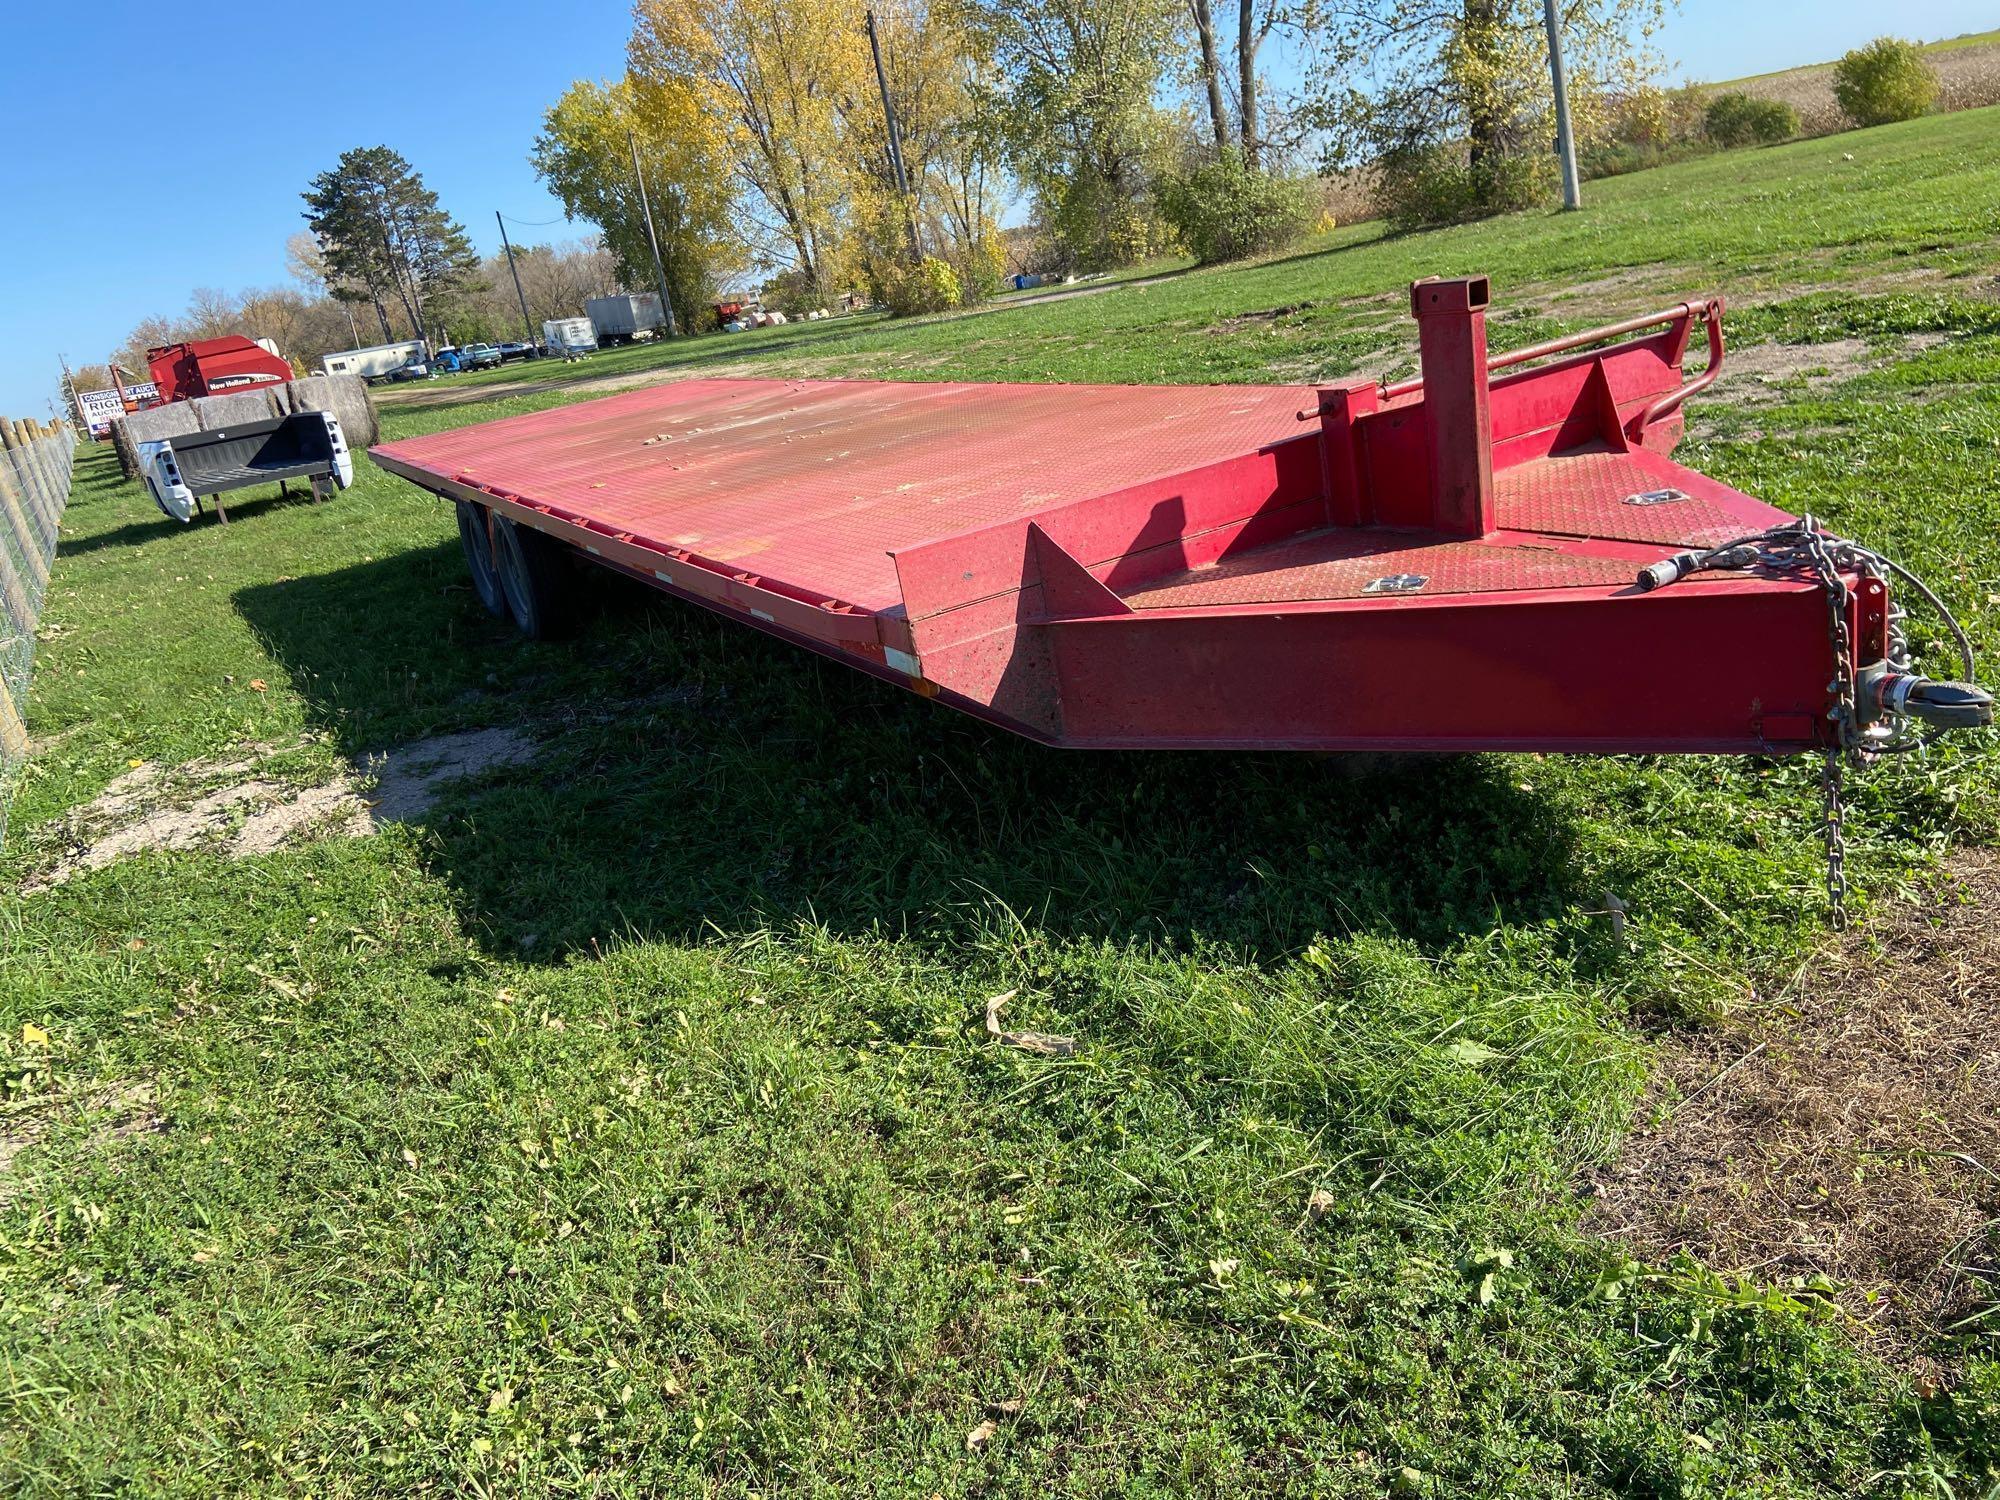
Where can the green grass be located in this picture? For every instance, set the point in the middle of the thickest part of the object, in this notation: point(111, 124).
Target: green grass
point(1968, 39)
point(627, 1125)
point(1754, 224)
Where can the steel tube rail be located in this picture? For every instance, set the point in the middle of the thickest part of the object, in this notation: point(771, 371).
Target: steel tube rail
point(1673, 400)
point(1710, 310)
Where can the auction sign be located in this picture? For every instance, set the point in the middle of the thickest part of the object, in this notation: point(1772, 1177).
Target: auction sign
point(100, 408)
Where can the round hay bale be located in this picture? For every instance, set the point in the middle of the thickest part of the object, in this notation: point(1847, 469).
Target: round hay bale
point(346, 396)
point(215, 412)
point(175, 419)
point(121, 444)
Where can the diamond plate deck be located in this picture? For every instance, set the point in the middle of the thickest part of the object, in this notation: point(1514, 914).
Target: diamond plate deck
point(1584, 494)
point(1341, 565)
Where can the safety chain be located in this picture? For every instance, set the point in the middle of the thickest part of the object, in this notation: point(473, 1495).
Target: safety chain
point(1833, 829)
point(1844, 714)
point(1804, 546)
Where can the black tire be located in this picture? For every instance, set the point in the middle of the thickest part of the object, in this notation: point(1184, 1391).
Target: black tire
point(536, 579)
point(472, 535)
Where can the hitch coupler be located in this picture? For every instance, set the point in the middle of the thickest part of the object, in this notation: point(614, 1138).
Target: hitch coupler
point(1885, 693)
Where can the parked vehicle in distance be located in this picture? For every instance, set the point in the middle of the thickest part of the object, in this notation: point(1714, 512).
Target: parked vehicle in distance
point(376, 361)
point(446, 362)
point(479, 357)
point(518, 351)
point(416, 369)
point(625, 316)
point(569, 337)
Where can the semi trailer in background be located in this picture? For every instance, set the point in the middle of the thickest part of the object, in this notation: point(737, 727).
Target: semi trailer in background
point(625, 316)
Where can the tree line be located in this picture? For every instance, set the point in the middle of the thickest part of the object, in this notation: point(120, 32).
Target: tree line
point(307, 320)
point(762, 130)
point(752, 142)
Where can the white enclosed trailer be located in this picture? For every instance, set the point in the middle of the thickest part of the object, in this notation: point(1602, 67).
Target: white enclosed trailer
point(376, 360)
point(569, 336)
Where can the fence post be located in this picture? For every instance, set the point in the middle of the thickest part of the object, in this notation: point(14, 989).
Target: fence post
point(35, 474)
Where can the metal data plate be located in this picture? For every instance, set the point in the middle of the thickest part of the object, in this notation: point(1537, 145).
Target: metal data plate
point(1396, 583)
point(1657, 497)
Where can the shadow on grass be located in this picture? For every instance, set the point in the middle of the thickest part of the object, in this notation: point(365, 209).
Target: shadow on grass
point(134, 533)
point(697, 776)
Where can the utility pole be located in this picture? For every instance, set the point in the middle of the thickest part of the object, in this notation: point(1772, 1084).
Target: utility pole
point(1565, 142)
point(69, 391)
point(527, 323)
point(895, 141)
point(670, 215)
point(652, 237)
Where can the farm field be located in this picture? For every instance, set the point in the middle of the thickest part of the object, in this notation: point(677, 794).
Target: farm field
point(1968, 70)
point(612, 1112)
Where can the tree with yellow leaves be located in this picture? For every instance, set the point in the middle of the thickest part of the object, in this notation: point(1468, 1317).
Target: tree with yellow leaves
point(772, 75)
point(585, 155)
point(933, 66)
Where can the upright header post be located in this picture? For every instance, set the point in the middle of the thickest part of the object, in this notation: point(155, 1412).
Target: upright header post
point(1451, 340)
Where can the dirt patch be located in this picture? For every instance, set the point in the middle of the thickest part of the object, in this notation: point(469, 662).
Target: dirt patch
point(1751, 375)
point(240, 808)
point(1237, 322)
point(116, 1111)
point(1620, 294)
point(1849, 1129)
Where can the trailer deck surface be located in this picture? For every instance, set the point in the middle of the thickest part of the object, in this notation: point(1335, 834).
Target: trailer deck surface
point(815, 483)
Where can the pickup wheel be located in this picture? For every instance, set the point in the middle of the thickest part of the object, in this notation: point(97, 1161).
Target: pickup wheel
point(478, 544)
point(536, 580)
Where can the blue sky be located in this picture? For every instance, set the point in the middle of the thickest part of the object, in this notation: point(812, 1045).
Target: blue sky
point(154, 148)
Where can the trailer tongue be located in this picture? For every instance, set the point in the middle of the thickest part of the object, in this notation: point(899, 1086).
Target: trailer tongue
point(1499, 555)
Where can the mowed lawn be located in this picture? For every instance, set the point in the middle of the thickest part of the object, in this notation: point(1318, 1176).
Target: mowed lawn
point(626, 1124)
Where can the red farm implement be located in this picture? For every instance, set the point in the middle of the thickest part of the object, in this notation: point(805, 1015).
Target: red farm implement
point(214, 367)
point(1478, 559)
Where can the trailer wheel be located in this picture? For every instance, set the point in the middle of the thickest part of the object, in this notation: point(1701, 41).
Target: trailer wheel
point(534, 573)
point(478, 544)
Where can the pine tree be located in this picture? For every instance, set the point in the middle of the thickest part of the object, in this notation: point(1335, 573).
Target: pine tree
point(384, 234)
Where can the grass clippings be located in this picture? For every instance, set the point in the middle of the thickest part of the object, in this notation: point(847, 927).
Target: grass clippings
point(1848, 1130)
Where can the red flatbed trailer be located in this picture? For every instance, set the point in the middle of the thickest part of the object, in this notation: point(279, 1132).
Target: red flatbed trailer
point(1444, 564)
